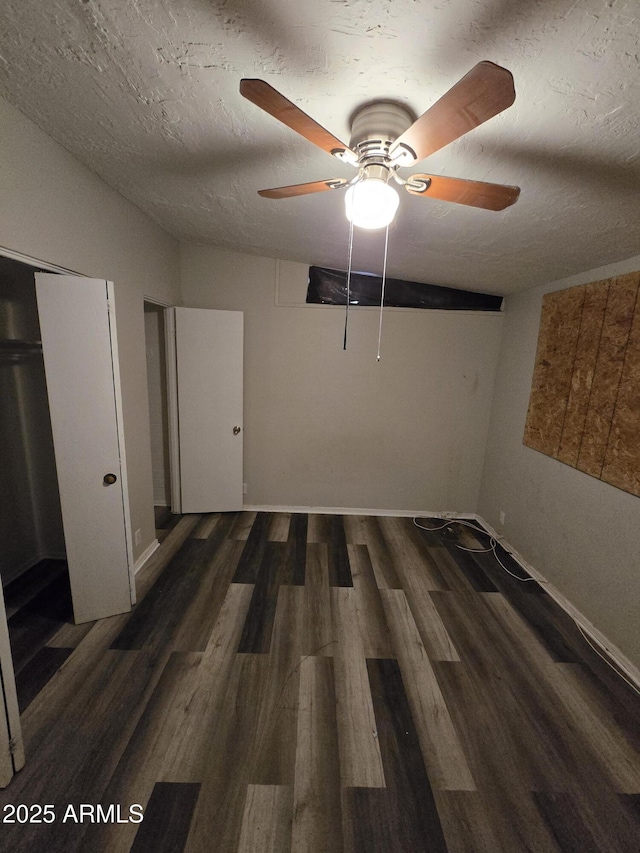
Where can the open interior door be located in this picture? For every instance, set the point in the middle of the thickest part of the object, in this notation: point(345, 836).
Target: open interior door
point(205, 374)
point(77, 325)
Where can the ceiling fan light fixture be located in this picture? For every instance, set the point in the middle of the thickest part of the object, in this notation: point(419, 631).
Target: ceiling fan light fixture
point(386, 136)
point(371, 203)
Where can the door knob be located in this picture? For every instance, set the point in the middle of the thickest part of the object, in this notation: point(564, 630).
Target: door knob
point(236, 430)
point(109, 479)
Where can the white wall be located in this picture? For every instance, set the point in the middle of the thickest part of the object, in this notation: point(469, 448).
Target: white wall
point(324, 427)
point(54, 209)
point(582, 534)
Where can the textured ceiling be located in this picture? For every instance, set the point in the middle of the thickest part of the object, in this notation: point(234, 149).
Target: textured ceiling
point(145, 92)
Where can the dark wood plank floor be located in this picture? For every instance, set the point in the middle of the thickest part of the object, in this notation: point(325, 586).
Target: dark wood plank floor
point(38, 605)
point(327, 684)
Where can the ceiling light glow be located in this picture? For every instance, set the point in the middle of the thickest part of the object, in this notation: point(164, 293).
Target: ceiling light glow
point(371, 203)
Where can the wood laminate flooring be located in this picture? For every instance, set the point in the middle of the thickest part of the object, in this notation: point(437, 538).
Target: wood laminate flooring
point(328, 684)
point(38, 605)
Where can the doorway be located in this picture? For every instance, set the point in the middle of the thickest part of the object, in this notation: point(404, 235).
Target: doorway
point(61, 423)
point(31, 518)
point(155, 345)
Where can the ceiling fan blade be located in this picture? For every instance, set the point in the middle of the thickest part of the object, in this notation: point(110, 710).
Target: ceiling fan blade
point(304, 189)
point(481, 94)
point(461, 191)
point(271, 101)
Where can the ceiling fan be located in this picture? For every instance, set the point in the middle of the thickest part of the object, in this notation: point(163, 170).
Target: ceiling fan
point(385, 138)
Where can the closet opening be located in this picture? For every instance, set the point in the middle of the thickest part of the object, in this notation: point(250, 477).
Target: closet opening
point(33, 567)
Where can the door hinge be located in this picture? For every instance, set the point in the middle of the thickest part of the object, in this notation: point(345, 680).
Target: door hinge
point(13, 746)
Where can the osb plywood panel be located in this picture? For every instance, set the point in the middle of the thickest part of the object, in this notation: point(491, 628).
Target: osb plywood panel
point(584, 365)
point(557, 341)
point(584, 408)
point(622, 460)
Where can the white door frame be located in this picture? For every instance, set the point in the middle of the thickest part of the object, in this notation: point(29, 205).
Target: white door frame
point(45, 266)
point(124, 475)
point(172, 403)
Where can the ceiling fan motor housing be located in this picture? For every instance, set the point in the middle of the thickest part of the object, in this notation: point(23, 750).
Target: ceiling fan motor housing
point(375, 127)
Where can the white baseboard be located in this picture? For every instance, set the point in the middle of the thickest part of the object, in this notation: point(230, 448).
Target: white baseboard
point(349, 510)
point(146, 555)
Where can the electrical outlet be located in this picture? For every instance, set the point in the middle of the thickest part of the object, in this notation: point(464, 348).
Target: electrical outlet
point(502, 517)
point(244, 488)
point(137, 536)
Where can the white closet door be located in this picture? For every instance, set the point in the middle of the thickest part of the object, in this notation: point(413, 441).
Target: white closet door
point(80, 358)
point(208, 367)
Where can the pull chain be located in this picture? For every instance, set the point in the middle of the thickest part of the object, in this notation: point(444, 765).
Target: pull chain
point(346, 313)
point(384, 279)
